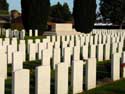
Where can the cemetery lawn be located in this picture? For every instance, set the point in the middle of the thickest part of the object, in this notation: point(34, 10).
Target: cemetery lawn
point(117, 87)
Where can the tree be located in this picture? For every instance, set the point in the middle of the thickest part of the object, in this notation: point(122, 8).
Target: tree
point(84, 13)
point(123, 11)
point(56, 13)
point(35, 14)
point(111, 9)
point(60, 13)
point(66, 12)
point(3, 5)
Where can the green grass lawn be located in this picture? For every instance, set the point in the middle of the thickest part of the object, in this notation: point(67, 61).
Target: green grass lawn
point(117, 87)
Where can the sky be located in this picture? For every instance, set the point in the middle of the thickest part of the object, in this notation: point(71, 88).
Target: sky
point(15, 4)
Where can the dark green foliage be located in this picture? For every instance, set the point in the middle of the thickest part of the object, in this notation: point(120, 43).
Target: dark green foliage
point(60, 13)
point(123, 10)
point(35, 14)
point(111, 9)
point(84, 13)
point(3, 5)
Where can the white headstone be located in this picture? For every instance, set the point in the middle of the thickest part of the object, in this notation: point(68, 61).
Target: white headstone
point(107, 51)
point(20, 82)
point(77, 77)
point(115, 67)
point(90, 80)
point(36, 33)
point(3, 65)
point(32, 52)
point(17, 63)
point(41, 46)
point(67, 56)
point(85, 52)
point(30, 33)
point(92, 51)
point(100, 52)
point(45, 57)
point(42, 80)
point(61, 79)
point(56, 57)
point(2, 85)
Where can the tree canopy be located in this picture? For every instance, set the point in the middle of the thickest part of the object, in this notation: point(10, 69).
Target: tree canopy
point(35, 14)
point(84, 13)
point(3, 5)
point(112, 10)
point(60, 13)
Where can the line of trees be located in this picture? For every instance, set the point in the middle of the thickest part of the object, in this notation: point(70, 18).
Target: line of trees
point(113, 10)
point(60, 13)
point(3, 5)
point(35, 14)
point(84, 13)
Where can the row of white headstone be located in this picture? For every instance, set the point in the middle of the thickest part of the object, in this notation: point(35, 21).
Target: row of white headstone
point(43, 78)
point(8, 33)
point(56, 47)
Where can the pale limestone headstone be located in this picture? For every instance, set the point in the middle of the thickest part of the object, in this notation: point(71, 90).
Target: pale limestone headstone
point(92, 51)
point(30, 41)
point(57, 45)
point(82, 41)
point(67, 56)
point(120, 47)
point(61, 76)
point(53, 39)
point(2, 85)
point(10, 50)
point(115, 67)
point(77, 77)
point(76, 53)
point(37, 41)
point(20, 82)
point(22, 49)
point(17, 63)
point(90, 80)
point(56, 57)
point(100, 52)
point(7, 33)
point(3, 65)
point(96, 40)
point(114, 48)
point(3, 48)
point(41, 46)
point(22, 34)
point(91, 40)
point(32, 52)
point(42, 80)
point(1, 42)
point(85, 52)
point(14, 43)
point(30, 33)
point(107, 51)
point(45, 56)
point(36, 33)
point(6, 42)
point(71, 43)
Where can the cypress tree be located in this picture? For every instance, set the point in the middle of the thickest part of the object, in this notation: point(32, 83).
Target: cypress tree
point(84, 13)
point(35, 14)
point(3, 5)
